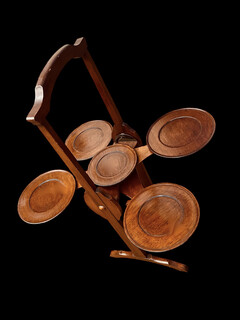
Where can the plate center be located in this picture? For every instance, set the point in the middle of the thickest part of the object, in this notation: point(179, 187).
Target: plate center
point(88, 139)
point(111, 164)
point(46, 195)
point(180, 132)
point(159, 215)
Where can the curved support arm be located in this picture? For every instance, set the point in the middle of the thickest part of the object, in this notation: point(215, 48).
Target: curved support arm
point(41, 107)
point(50, 73)
point(48, 76)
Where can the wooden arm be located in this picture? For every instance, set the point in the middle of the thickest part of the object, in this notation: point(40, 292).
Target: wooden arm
point(43, 93)
point(41, 108)
point(47, 79)
point(48, 76)
point(50, 73)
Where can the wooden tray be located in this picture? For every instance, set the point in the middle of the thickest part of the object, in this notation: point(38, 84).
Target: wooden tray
point(89, 138)
point(180, 132)
point(161, 217)
point(46, 196)
point(112, 165)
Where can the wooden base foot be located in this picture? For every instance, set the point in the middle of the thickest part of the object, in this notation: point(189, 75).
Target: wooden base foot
point(150, 258)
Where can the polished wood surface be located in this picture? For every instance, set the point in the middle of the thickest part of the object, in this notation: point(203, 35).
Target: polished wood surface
point(46, 196)
point(112, 165)
point(103, 91)
point(143, 152)
point(109, 201)
point(132, 185)
point(161, 217)
point(126, 135)
point(89, 138)
point(41, 108)
point(181, 132)
point(48, 77)
point(157, 217)
point(150, 258)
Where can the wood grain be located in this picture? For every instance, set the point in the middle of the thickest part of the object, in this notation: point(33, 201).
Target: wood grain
point(143, 152)
point(180, 132)
point(46, 196)
point(161, 217)
point(112, 165)
point(132, 185)
point(89, 138)
point(109, 202)
point(41, 108)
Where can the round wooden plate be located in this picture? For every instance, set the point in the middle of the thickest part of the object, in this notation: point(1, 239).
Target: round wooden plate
point(112, 165)
point(161, 217)
point(46, 196)
point(89, 138)
point(180, 132)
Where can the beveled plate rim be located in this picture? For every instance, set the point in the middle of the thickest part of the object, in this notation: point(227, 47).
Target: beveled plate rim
point(130, 214)
point(177, 152)
point(105, 181)
point(27, 214)
point(102, 124)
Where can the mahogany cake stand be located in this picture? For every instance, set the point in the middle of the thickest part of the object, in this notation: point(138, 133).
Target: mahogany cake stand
point(157, 217)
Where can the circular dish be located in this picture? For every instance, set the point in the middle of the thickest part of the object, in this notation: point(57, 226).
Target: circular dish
point(46, 196)
point(112, 165)
point(89, 138)
point(161, 217)
point(180, 132)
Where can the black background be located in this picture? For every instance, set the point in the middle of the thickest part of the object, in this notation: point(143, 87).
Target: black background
point(153, 60)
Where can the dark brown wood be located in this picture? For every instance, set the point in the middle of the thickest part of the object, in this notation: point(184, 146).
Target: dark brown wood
point(132, 185)
point(46, 196)
point(181, 132)
point(89, 138)
point(143, 175)
point(158, 217)
point(40, 109)
point(84, 181)
point(161, 217)
point(120, 128)
point(112, 165)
